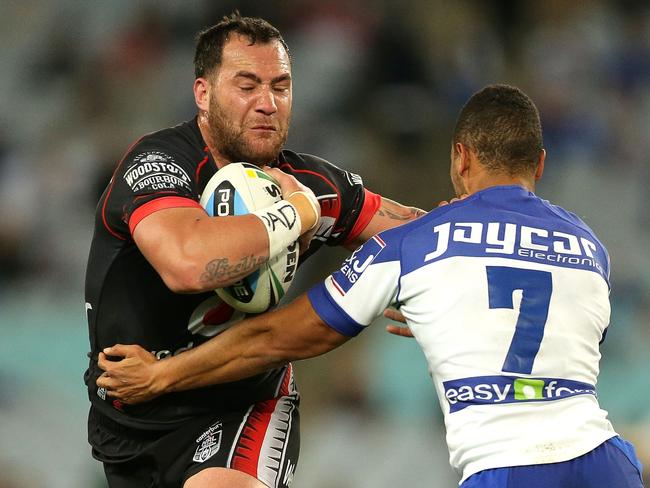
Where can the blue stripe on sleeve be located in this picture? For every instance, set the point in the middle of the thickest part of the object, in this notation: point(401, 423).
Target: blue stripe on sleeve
point(331, 313)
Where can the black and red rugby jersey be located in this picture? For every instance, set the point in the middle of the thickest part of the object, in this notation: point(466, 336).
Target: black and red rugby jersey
point(126, 300)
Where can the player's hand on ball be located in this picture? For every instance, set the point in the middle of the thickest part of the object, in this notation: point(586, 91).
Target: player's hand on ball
point(393, 314)
point(300, 197)
point(305, 240)
point(131, 379)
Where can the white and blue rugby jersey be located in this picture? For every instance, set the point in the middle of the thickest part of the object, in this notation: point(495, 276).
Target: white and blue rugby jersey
point(508, 296)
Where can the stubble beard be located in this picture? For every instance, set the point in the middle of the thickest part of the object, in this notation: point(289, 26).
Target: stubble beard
point(231, 142)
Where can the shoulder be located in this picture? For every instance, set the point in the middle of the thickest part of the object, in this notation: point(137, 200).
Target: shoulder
point(566, 215)
point(576, 222)
point(571, 219)
point(164, 160)
point(301, 159)
point(406, 238)
point(174, 151)
point(182, 140)
point(316, 164)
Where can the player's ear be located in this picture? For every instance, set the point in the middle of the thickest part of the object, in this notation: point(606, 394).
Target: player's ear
point(463, 158)
point(202, 93)
point(540, 164)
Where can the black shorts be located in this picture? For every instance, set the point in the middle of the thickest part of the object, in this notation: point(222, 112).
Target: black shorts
point(262, 441)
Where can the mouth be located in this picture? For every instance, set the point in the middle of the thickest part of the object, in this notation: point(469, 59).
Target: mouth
point(264, 128)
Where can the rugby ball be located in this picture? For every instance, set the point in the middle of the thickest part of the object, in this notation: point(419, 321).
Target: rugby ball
point(238, 189)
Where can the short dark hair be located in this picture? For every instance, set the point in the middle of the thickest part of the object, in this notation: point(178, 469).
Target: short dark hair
point(210, 42)
point(501, 124)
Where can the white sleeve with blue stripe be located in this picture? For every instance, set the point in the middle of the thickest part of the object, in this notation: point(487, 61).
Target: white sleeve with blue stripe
point(368, 281)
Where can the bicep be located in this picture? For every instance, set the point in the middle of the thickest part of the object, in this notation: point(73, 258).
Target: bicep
point(389, 214)
point(160, 236)
point(192, 251)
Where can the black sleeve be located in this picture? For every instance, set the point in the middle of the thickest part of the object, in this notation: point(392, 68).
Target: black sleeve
point(154, 169)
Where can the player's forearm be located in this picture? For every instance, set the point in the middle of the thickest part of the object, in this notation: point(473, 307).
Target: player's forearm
point(193, 252)
point(237, 353)
point(253, 244)
point(390, 214)
point(237, 248)
point(251, 347)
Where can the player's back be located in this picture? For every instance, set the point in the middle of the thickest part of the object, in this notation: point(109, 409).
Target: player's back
point(508, 297)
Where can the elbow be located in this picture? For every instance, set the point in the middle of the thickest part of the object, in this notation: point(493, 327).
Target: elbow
point(264, 347)
point(276, 357)
point(281, 347)
point(183, 288)
point(185, 278)
point(190, 272)
point(191, 277)
point(183, 285)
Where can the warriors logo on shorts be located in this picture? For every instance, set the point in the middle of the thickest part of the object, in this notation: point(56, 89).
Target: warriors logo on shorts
point(209, 443)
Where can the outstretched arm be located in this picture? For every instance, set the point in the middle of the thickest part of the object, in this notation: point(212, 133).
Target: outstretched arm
point(248, 348)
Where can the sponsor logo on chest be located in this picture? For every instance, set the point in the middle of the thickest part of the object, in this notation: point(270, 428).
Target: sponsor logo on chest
point(155, 170)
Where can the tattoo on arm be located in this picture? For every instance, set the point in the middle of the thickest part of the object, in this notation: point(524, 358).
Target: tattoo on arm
point(219, 270)
point(410, 213)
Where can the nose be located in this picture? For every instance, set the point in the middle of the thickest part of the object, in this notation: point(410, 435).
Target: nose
point(266, 102)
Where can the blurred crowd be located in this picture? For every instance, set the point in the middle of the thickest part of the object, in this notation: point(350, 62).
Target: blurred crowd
point(377, 86)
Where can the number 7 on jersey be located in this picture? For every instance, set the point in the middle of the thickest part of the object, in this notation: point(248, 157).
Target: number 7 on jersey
point(536, 287)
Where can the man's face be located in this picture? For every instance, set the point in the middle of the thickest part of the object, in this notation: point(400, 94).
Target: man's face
point(250, 101)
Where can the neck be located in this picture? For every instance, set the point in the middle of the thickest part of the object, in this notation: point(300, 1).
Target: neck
point(487, 180)
point(219, 159)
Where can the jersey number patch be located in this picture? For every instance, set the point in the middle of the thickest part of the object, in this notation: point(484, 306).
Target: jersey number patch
point(536, 287)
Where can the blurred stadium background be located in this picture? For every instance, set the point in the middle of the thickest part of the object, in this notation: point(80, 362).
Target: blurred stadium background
point(377, 85)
